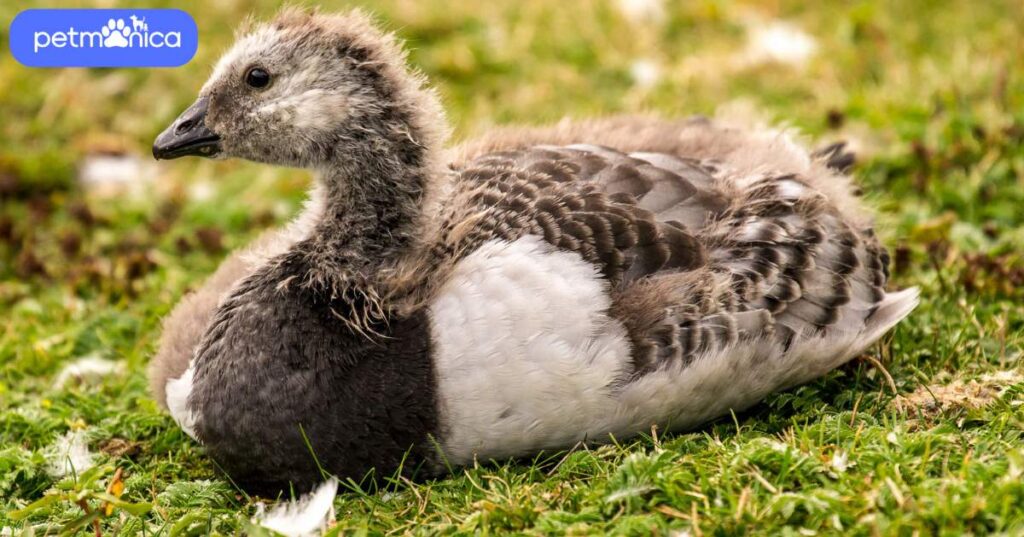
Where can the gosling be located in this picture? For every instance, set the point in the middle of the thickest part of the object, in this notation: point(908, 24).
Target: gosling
point(526, 291)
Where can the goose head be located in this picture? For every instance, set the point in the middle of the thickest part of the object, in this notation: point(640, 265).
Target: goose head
point(306, 90)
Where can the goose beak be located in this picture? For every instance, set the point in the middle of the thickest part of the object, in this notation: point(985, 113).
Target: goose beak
point(188, 135)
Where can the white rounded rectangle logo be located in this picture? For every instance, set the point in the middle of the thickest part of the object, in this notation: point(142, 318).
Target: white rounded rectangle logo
point(103, 37)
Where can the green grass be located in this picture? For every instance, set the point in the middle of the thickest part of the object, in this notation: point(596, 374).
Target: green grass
point(933, 92)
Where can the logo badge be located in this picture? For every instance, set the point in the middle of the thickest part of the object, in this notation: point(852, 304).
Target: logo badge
point(103, 37)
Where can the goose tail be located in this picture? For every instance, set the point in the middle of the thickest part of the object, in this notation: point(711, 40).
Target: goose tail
point(891, 310)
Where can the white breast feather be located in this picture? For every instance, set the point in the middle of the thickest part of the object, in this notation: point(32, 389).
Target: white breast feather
point(178, 391)
point(524, 351)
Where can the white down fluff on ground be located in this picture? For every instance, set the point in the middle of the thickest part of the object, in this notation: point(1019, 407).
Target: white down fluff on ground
point(306, 515)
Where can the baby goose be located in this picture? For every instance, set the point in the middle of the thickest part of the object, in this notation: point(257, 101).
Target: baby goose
point(526, 291)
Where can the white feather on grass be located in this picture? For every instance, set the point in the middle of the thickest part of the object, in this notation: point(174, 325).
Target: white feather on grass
point(86, 369)
point(840, 462)
point(109, 176)
point(70, 454)
point(307, 515)
point(642, 11)
point(646, 73)
point(779, 42)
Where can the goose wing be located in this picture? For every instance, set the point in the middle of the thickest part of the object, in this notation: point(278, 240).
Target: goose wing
point(630, 217)
point(595, 291)
point(698, 257)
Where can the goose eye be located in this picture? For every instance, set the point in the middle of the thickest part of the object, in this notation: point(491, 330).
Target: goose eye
point(257, 78)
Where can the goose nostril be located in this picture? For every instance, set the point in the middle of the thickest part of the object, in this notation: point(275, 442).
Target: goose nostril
point(184, 126)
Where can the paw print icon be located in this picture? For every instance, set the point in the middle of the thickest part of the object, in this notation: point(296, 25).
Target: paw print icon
point(115, 34)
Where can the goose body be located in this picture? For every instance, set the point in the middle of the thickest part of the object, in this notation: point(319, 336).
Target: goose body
point(529, 290)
